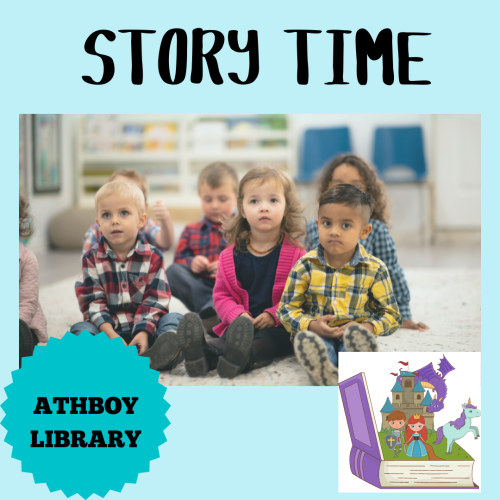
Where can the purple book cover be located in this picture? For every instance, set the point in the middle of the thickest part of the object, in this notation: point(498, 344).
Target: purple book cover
point(366, 454)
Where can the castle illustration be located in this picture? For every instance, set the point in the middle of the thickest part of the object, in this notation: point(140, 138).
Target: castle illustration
point(408, 397)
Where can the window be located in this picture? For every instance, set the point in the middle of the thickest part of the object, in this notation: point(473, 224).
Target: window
point(419, 396)
point(397, 396)
point(407, 383)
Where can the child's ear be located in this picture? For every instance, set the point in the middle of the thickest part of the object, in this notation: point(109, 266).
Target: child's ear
point(365, 232)
point(142, 220)
point(97, 222)
point(317, 222)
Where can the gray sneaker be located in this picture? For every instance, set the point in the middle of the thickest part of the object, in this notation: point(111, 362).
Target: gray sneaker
point(357, 338)
point(312, 355)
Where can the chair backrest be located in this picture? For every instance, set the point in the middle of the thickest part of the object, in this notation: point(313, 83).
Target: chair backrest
point(399, 154)
point(321, 145)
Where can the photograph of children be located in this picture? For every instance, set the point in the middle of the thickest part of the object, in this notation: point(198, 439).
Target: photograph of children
point(255, 249)
point(426, 411)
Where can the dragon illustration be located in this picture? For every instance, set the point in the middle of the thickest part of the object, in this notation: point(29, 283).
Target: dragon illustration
point(431, 379)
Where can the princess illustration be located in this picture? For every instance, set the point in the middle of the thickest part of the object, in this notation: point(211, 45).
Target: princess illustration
point(416, 436)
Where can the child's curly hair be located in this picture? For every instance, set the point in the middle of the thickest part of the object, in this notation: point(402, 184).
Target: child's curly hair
point(374, 186)
point(25, 222)
point(236, 229)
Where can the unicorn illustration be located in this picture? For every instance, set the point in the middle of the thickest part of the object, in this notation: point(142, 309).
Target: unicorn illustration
point(457, 429)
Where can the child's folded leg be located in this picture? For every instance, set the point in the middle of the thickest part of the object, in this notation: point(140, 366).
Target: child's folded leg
point(78, 328)
point(165, 353)
point(26, 341)
point(193, 290)
point(357, 338)
point(315, 355)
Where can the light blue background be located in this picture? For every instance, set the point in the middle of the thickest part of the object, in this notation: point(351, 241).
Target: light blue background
point(262, 442)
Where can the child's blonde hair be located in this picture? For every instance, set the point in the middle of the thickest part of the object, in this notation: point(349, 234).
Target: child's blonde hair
point(134, 176)
point(126, 190)
point(236, 229)
point(25, 222)
point(216, 174)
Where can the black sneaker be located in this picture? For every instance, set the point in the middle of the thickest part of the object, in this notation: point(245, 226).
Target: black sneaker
point(357, 338)
point(190, 335)
point(26, 346)
point(239, 337)
point(312, 354)
point(164, 351)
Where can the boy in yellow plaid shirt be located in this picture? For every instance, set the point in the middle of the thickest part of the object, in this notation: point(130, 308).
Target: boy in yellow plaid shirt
point(338, 297)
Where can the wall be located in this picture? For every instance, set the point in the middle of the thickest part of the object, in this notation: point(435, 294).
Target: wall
point(45, 206)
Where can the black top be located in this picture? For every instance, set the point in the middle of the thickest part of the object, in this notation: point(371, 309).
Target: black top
point(257, 275)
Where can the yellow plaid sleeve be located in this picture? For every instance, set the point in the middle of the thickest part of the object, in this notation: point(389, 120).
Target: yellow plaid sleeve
point(290, 311)
point(384, 312)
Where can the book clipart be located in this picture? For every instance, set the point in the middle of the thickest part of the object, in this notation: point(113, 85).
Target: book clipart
point(413, 447)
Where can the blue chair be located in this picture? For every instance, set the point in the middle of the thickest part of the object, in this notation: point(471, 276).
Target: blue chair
point(399, 158)
point(319, 146)
point(399, 154)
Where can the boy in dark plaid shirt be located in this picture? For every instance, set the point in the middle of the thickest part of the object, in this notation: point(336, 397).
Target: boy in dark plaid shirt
point(338, 297)
point(192, 275)
point(122, 290)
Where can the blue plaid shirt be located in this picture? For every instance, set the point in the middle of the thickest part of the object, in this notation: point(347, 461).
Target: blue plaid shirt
point(380, 244)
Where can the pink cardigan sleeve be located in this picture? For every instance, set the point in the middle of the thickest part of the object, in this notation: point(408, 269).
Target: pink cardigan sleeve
point(226, 306)
point(272, 310)
point(28, 287)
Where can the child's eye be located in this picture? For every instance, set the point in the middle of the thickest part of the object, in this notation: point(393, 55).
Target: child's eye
point(274, 200)
point(253, 202)
point(346, 225)
point(124, 213)
point(105, 215)
point(326, 223)
point(223, 199)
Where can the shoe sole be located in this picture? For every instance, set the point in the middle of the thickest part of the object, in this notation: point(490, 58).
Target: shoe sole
point(359, 339)
point(312, 355)
point(190, 337)
point(25, 341)
point(163, 351)
point(239, 339)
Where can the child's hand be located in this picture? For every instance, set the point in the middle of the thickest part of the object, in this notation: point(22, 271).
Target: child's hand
point(160, 211)
point(264, 320)
point(321, 328)
point(199, 264)
point(408, 323)
point(212, 268)
point(343, 328)
point(141, 341)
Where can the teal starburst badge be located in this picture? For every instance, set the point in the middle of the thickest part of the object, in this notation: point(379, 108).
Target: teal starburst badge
point(85, 415)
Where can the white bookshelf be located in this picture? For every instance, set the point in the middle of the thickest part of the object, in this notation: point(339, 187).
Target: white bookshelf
point(184, 145)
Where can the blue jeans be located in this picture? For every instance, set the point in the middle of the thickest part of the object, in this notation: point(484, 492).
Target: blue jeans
point(333, 347)
point(166, 323)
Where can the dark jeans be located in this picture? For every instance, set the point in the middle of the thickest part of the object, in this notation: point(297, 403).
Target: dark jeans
point(193, 290)
point(267, 344)
point(166, 323)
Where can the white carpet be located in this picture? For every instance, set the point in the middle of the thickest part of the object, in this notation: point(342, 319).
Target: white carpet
point(448, 301)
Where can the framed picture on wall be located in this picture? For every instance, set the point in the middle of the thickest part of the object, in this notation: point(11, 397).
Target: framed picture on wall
point(46, 154)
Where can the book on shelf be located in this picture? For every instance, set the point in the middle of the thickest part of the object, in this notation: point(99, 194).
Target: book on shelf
point(367, 459)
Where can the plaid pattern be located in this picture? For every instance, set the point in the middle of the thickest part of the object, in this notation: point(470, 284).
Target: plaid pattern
point(131, 295)
point(359, 291)
point(380, 244)
point(149, 232)
point(200, 238)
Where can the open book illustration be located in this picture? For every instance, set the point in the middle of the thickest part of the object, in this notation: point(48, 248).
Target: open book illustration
point(413, 448)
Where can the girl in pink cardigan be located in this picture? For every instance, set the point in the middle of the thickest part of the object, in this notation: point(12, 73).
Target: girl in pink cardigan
point(32, 323)
point(251, 277)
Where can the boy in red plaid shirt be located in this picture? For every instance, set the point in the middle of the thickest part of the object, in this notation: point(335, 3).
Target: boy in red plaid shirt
point(123, 290)
point(192, 275)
